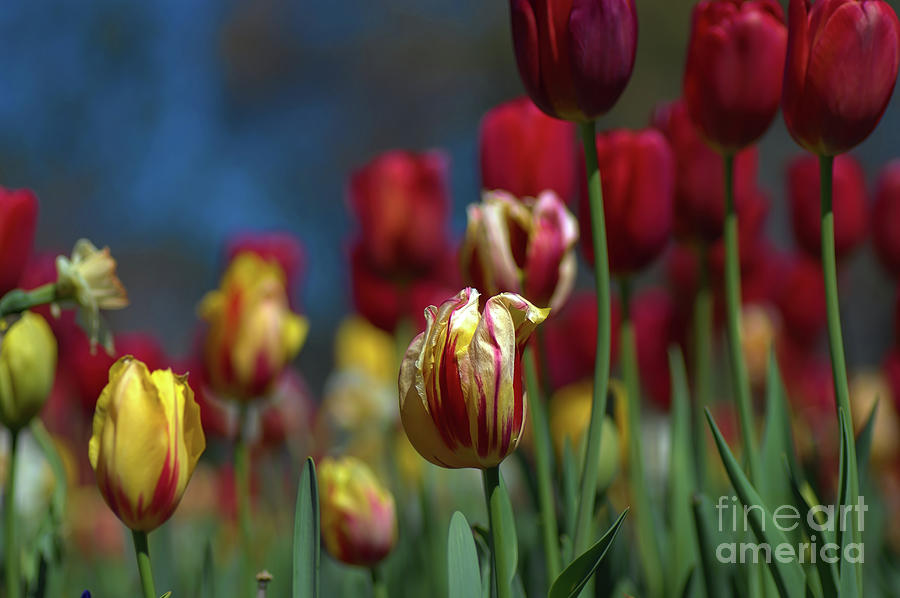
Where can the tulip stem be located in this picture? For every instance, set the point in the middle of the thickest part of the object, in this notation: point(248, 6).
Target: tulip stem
point(590, 471)
point(10, 547)
point(646, 535)
point(739, 379)
point(835, 336)
point(18, 300)
point(143, 561)
point(703, 330)
point(500, 577)
point(242, 487)
point(379, 588)
point(543, 459)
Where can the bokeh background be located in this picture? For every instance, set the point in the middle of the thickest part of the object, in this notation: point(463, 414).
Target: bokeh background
point(161, 128)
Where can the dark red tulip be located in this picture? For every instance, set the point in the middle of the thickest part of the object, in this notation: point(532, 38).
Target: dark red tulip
point(574, 56)
point(284, 248)
point(653, 312)
point(400, 201)
point(18, 218)
point(842, 60)
point(525, 152)
point(886, 217)
point(735, 65)
point(699, 176)
point(848, 198)
point(801, 300)
point(638, 175)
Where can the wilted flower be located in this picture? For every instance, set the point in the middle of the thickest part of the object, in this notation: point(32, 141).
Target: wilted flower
point(359, 520)
point(461, 398)
point(18, 218)
point(27, 368)
point(521, 246)
point(252, 331)
point(146, 441)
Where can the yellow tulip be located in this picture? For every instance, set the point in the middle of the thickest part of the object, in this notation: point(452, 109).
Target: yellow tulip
point(867, 387)
point(364, 348)
point(359, 520)
point(27, 369)
point(146, 441)
point(461, 398)
point(253, 333)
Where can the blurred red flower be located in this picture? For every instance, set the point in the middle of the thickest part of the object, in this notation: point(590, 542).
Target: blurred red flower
point(18, 219)
point(886, 217)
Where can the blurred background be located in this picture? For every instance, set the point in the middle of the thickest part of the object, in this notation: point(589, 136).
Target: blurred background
point(162, 128)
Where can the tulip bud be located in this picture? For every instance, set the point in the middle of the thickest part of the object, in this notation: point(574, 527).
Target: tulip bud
point(524, 247)
point(145, 444)
point(525, 152)
point(801, 301)
point(27, 368)
point(732, 81)
point(574, 58)
point(848, 198)
point(283, 248)
point(252, 332)
point(886, 218)
point(18, 218)
point(842, 60)
point(638, 206)
point(461, 398)
point(359, 520)
point(654, 317)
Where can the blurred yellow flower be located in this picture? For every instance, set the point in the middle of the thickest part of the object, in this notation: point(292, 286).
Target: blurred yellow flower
point(759, 328)
point(867, 387)
point(27, 369)
point(364, 348)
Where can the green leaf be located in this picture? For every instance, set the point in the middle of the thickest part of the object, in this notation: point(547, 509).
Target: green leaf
point(305, 582)
point(864, 441)
point(207, 575)
point(575, 576)
point(706, 541)
point(777, 441)
point(462, 559)
point(570, 495)
point(508, 527)
point(789, 576)
point(827, 572)
point(849, 572)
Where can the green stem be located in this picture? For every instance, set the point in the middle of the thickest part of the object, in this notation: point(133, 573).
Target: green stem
point(143, 561)
point(11, 549)
point(702, 333)
point(740, 380)
point(499, 575)
point(543, 457)
point(647, 544)
point(379, 587)
point(242, 475)
point(588, 492)
point(18, 300)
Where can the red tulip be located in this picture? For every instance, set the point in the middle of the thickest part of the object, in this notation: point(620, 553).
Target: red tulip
point(886, 217)
point(574, 56)
point(699, 178)
point(400, 200)
point(284, 248)
point(654, 324)
point(18, 218)
point(841, 67)
point(732, 81)
point(849, 201)
point(525, 152)
point(801, 301)
point(638, 176)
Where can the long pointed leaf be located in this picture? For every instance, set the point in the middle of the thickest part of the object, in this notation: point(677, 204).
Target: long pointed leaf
point(462, 559)
point(864, 442)
point(709, 566)
point(575, 576)
point(849, 572)
point(305, 582)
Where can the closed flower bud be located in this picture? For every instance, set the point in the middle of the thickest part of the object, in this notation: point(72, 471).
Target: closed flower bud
point(848, 198)
point(842, 60)
point(525, 152)
point(574, 56)
point(461, 393)
point(27, 369)
point(886, 218)
point(145, 444)
point(732, 81)
point(283, 248)
point(525, 247)
point(18, 218)
point(252, 333)
point(359, 520)
point(638, 178)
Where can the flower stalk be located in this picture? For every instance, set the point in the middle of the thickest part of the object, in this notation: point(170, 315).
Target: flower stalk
point(143, 560)
point(11, 548)
point(702, 348)
point(499, 550)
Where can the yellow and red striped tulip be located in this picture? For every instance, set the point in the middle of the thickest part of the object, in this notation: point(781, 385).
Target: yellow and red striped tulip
point(146, 441)
point(252, 333)
point(461, 398)
point(359, 519)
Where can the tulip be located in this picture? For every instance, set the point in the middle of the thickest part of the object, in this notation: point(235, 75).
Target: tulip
point(361, 347)
point(801, 301)
point(653, 312)
point(867, 388)
point(146, 442)
point(283, 248)
point(842, 60)
point(359, 520)
point(18, 218)
point(574, 57)
point(252, 332)
point(886, 217)
point(461, 397)
point(732, 80)
point(849, 201)
point(759, 329)
point(699, 210)
point(524, 247)
point(637, 204)
point(400, 200)
point(27, 369)
point(525, 153)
